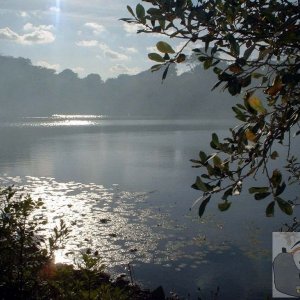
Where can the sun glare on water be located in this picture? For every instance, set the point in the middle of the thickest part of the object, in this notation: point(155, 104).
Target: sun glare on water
point(74, 123)
point(74, 120)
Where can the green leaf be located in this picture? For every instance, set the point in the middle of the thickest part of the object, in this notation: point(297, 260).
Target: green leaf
point(284, 206)
point(217, 161)
point(216, 85)
point(224, 206)
point(156, 67)
point(202, 58)
point(166, 56)
point(195, 161)
point(157, 29)
point(156, 57)
point(280, 189)
point(263, 53)
point(264, 79)
point(217, 70)
point(165, 73)
point(200, 185)
point(162, 23)
point(174, 33)
point(227, 194)
point(224, 76)
point(246, 81)
point(270, 209)
point(128, 20)
point(260, 196)
point(181, 58)
point(196, 50)
point(234, 46)
point(154, 11)
point(164, 47)
point(210, 170)
point(241, 106)
point(234, 87)
point(236, 110)
point(207, 63)
point(140, 11)
point(207, 42)
point(203, 157)
point(274, 155)
point(248, 52)
point(203, 206)
point(276, 178)
point(215, 140)
point(130, 10)
point(253, 189)
point(239, 114)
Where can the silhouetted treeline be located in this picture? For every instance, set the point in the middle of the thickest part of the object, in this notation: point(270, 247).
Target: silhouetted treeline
point(27, 90)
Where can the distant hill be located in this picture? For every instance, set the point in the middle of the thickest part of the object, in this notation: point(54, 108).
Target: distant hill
point(27, 90)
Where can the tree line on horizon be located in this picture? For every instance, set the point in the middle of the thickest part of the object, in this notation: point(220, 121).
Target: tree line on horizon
point(28, 90)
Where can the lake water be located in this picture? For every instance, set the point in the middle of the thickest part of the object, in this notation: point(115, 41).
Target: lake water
point(123, 187)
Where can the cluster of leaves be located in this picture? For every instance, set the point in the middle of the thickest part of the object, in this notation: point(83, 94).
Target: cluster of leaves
point(84, 280)
point(23, 252)
point(294, 226)
point(253, 48)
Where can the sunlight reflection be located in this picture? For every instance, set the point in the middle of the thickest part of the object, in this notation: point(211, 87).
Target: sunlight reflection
point(60, 257)
point(73, 123)
point(59, 116)
point(116, 223)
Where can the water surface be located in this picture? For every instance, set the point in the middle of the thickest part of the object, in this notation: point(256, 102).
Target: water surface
point(123, 187)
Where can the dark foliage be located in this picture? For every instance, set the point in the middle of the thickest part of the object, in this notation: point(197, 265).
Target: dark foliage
point(258, 40)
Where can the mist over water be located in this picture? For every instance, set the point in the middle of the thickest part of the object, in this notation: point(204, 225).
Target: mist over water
point(123, 187)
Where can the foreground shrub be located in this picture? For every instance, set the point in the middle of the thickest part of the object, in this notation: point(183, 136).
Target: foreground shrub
point(28, 270)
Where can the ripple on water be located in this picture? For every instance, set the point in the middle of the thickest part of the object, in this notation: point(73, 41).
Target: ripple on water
point(121, 225)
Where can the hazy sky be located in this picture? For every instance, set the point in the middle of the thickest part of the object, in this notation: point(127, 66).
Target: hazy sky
point(83, 35)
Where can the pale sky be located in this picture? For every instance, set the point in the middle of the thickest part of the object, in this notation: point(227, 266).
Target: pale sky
point(83, 35)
